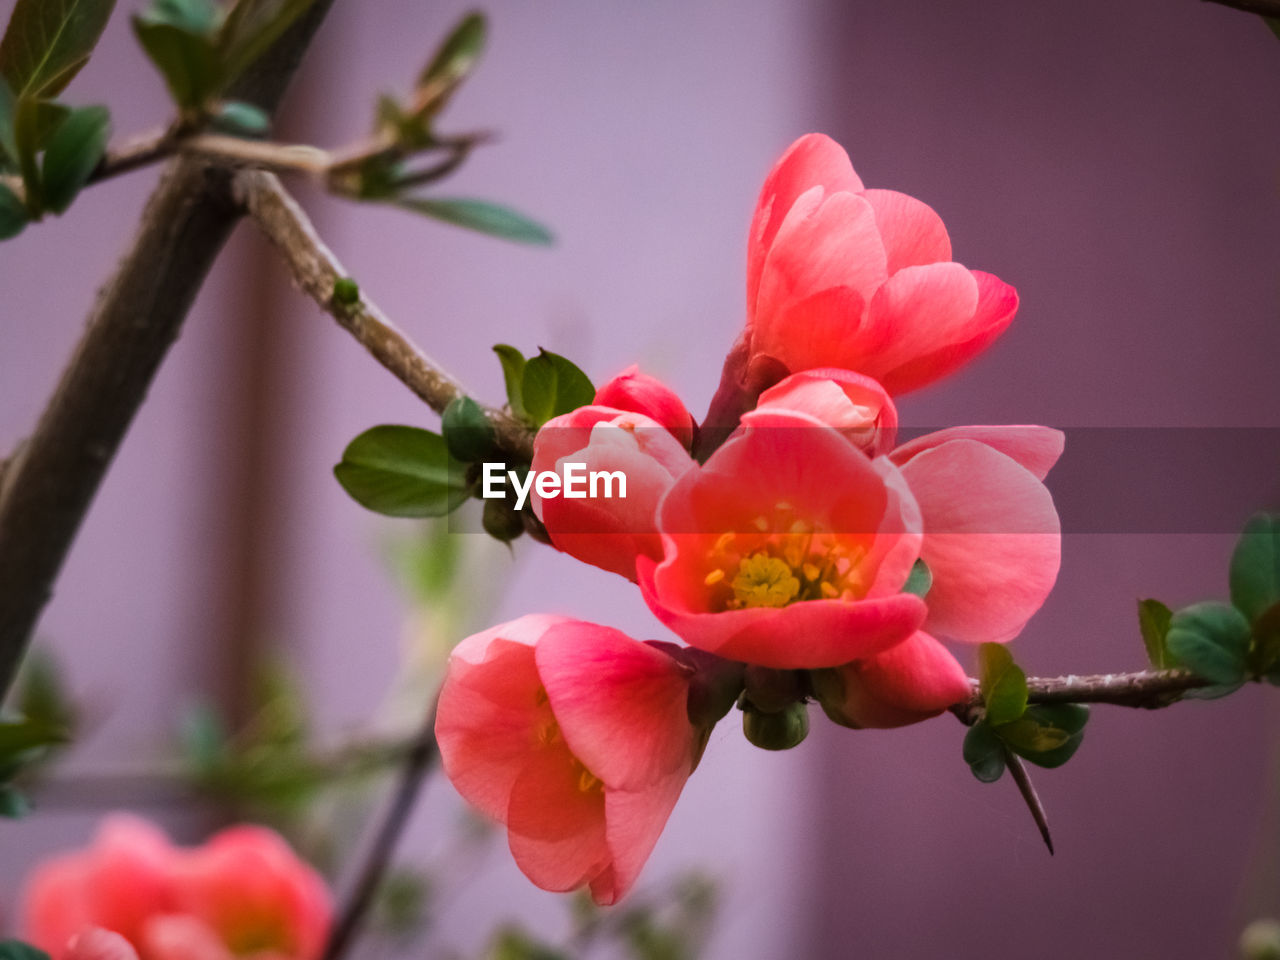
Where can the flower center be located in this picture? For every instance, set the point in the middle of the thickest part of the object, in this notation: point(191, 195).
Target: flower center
point(546, 733)
point(788, 561)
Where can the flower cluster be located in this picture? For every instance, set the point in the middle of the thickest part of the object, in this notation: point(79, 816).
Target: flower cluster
point(133, 894)
point(795, 546)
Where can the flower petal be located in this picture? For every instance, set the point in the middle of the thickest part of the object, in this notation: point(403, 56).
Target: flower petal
point(916, 311)
point(1035, 448)
point(992, 540)
point(912, 232)
point(634, 821)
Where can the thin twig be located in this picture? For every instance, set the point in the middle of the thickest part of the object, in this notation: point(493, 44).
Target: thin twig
point(1029, 795)
point(316, 270)
point(418, 764)
point(1143, 689)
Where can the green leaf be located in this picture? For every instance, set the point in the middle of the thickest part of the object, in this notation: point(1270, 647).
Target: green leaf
point(467, 431)
point(984, 753)
point(551, 386)
point(42, 693)
point(513, 362)
point(402, 472)
point(1255, 566)
point(48, 41)
point(251, 28)
point(1047, 735)
point(13, 214)
point(480, 215)
point(26, 134)
point(241, 119)
point(452, 62)
point(73, 153)
point(920, 579)
point(19, 736)
point(8, 145)
point(1212, 641)
point(17, 950)
point(185, 58)
point(1153, 620)
point(13, 806)
point(1003, 684)
point(192, 16)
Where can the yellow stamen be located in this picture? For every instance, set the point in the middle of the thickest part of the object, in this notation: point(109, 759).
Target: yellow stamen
point(764, 581)
point(714, 577)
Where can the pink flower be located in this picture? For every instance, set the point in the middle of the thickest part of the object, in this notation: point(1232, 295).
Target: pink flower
point(787, 549)
point(855, 405)
point(913, 681)
point(608, 530)
point(638, 392)
point(576, 737)
point(98, 944)
point(842, 276)
point(242, 894)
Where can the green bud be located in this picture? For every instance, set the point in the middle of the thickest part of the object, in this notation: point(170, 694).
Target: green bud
point(501, 522)
point(775, 731)
point(1261, 940)
point(345, 291)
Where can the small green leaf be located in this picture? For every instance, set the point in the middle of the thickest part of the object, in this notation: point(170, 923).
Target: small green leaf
point(402, 472)
point(13, 806)
point(1211, 640)
point(13, 214)
point(452, 62)
point(241, 119)
point(27, 133)
point(551, 386)
point(251, 28)
point(42, 693)
point(1255, 566)
point(48, 41)
point(1047, 735)
point(984, 753)
point(1153, 620)
point(480, 215)
point(467, 431)
point(17, 737)
point(17, 950)
point(920, 579)
point(1003, 684)
point(513, 362)
point(185, 58)
point(74, 152)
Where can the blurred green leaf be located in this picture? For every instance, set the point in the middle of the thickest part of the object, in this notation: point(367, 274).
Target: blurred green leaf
point(17, 737)
point(920, 579)
point(13, 214)
point(1255, 566)
point(203, 736)
point(1211, 640)
point(467, 431)
point(402, 472)
point(8, 145)
point(48, 41)
point(72, 155)
point(41, 693)
point(513, 362)
point(1003, 684)
point(13, 805)
point(404, 902)
point(551, 385)
point(514, 944)
point(177, 40)
point(27, 128)
point(1153, 620)
point(241, 119)
point(192, 16)
point(984, 753)
point(453, 61)
point(251, 28)
point(479, 215)
point(1047, 735)
point(17, 950)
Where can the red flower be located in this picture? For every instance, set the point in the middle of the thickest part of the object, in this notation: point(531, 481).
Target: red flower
point(638, 392)
point(787, 549)
point(576, 737)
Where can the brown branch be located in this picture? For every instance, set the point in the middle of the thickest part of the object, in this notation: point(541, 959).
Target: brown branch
point(1263, 8)
point(418, 764)
point(1143, 689)
point(49, 483)
point(315, 269)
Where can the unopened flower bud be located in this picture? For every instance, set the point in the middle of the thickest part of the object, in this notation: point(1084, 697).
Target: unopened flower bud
point(775, 731)
point(501, 522)
point(1261, 940)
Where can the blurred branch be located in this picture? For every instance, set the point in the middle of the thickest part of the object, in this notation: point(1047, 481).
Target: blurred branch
point(316, 270)
point(419, 762)
point(1264, 8)
point(49, 484)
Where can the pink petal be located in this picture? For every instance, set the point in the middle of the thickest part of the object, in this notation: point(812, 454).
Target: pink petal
point(814, 159)
point(833, 244)
point(182, 937)
point(821, 330)
point(855, 405)
point(912, 232)
point(1035, 448)
point(992, 540)
point(98, 944)
point(913, 681)
point(638, 392)
point(622, 705)
point(997, 303)
point(915, 311)
point(634, 823)
point(556, 830)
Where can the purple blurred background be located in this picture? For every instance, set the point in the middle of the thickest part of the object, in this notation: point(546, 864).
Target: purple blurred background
point(1118, 163)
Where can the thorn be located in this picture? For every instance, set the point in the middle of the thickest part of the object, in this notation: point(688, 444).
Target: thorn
point(1029, 796)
